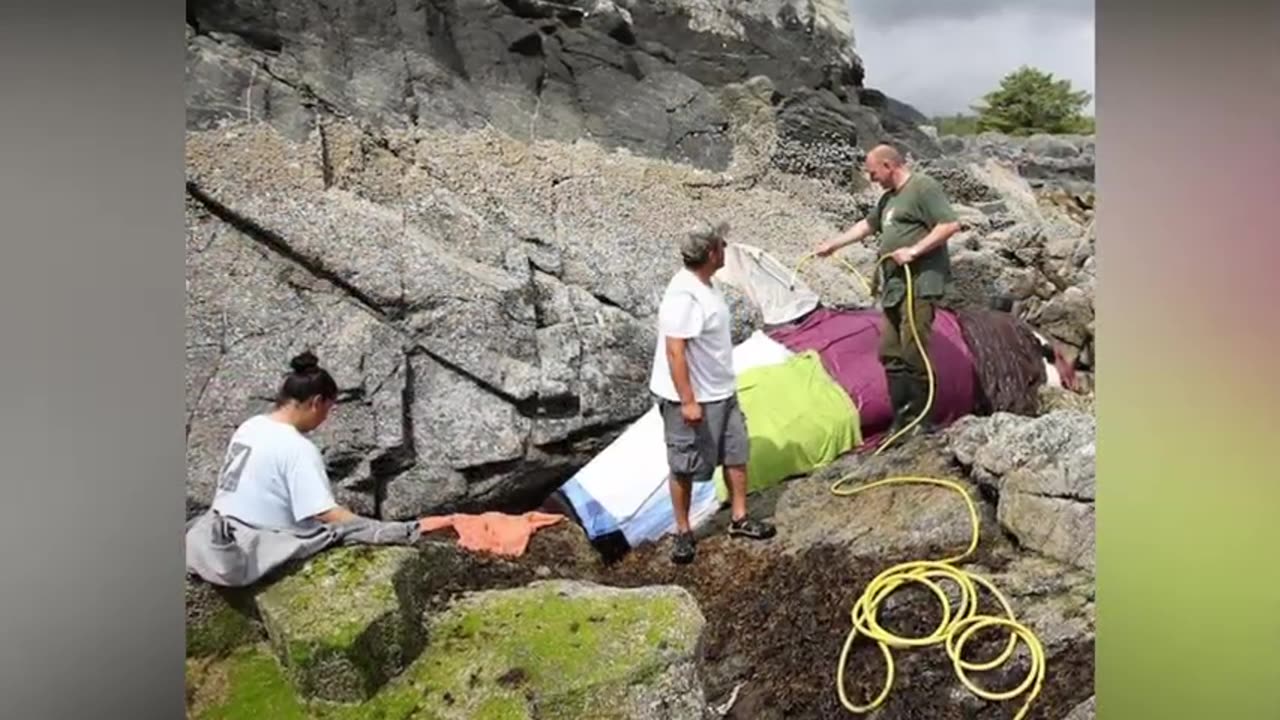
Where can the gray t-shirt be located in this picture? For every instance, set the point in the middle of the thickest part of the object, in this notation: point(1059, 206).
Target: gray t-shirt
point(272, 477)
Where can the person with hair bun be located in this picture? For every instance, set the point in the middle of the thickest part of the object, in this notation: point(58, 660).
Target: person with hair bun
point(273, 502)
point(273, 476)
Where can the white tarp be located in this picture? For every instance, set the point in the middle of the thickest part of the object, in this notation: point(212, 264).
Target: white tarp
point(770, 285)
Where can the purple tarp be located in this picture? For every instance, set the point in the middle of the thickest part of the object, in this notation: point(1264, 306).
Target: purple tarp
point(848, 343)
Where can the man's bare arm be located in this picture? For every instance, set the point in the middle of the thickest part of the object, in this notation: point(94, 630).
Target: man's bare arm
point(859, 231)
point(679, 364)
point(336, 515)
point(936, 238)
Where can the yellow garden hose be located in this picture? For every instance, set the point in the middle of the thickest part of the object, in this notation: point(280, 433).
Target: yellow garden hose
point(958, 625)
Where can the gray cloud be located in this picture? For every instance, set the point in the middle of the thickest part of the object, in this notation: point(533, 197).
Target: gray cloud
point(942, 56)
point(886, 14)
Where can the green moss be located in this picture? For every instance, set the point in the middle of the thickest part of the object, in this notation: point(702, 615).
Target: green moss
point(347, 621)
point(575, 653)
point(339, 592)
point(219, 633)
point(502, 708)
point(571, 652)
point(255, 687)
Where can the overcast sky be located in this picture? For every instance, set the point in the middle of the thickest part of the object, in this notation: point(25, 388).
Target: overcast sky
point(941, 56)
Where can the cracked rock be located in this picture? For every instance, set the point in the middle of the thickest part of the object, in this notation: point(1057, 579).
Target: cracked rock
point(1043, 470)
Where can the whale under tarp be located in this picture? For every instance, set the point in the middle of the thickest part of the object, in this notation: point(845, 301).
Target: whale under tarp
point(805, 351)
point(847, 341)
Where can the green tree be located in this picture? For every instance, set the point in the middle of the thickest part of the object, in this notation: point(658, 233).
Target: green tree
point(1031, 101)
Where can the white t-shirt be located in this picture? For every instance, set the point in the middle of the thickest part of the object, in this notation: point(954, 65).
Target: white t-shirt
point(272, 477)
point(691, 309)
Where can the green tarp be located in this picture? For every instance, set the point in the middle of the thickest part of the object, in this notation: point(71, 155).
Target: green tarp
point(798, 420)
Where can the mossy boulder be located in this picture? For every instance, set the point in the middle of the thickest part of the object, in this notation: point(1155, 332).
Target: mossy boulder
point(347, 621)
point(218, 620)
point(551, 650)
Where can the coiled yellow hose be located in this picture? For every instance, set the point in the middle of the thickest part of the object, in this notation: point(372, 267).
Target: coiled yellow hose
point(958, 625)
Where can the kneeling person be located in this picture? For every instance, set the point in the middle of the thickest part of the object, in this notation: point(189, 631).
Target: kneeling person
point(694, 382)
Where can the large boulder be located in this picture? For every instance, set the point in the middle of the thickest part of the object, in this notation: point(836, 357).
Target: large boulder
point(560, 650)
point(888, 524)
point(1043, 471)
point(347, 621)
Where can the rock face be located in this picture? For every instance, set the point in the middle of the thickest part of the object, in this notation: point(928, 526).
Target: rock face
point(469, 209)
point(485, 303)
point(636, 75)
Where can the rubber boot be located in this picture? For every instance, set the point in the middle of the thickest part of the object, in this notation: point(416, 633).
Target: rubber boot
point(900, 399)
point(919, 394)
point(908, 395)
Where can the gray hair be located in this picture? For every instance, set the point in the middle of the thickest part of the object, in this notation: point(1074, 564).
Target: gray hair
point(698, 243)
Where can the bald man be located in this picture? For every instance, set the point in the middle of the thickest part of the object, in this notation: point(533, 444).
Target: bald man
point(913, 220)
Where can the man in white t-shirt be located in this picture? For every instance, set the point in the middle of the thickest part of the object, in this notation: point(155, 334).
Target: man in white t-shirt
point(696, 389)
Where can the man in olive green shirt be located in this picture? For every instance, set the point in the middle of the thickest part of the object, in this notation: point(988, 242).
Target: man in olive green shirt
point(914, 220)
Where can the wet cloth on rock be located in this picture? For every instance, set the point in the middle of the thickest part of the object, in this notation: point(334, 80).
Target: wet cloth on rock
point(493, 532)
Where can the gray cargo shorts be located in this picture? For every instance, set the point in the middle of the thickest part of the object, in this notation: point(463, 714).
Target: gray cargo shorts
point(695, 451)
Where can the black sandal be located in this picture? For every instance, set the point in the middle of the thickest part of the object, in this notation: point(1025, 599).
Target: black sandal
point(750, 528)
point(683, 551)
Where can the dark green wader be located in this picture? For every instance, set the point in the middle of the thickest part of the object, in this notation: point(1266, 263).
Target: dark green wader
point(904, 367)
